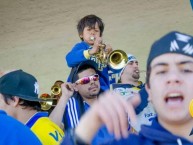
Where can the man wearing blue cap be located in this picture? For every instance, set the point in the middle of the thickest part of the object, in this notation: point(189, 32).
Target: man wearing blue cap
point(129, 85)
point(169, 83)
point(130, 74)
point(77, 98)
point(128, 82)
point(19, 98)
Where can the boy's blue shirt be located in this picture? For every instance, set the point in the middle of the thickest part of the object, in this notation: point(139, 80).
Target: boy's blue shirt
point(76, 56)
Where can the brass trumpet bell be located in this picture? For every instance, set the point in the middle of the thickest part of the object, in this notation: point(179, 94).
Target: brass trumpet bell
point(48, 103)
point(56, 89)
point(117, 59)
point(51, 100)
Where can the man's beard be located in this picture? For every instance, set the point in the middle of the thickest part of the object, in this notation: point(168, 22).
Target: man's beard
point(136, 76)
point(93, 95)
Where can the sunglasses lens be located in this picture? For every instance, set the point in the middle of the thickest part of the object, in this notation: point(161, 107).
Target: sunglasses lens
point(85, 80)
point(95, 78)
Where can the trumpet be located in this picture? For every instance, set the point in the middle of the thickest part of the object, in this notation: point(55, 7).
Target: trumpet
point(56, 89)
point(48, 102)
point(51, 100)
point(117, 59)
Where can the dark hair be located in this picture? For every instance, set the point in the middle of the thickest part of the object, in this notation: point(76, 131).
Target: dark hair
point(81, 69)
point(148, 72)
point(25, 103)
point(90, 21)
point(7, 97)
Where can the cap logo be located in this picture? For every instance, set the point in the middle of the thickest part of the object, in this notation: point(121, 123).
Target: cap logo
point(172, 42)
point(174, 46)
point(131, 58)
point(183, 38)
point(36, 90)
point(188, 49)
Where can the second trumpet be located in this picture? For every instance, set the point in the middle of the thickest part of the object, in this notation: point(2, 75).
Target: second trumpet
point(51, 100)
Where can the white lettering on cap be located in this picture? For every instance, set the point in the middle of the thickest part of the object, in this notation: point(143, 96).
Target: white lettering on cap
point(188, 49)
point(36, 88)
point(183, 38)
point(174, 46)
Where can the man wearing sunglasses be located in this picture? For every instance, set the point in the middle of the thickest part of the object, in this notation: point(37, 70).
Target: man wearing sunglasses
point(77, 97)
point(169, 82)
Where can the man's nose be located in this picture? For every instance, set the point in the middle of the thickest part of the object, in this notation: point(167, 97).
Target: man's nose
point(135, 65)
point(173, 78)
point(92, 81)
point(92, 31)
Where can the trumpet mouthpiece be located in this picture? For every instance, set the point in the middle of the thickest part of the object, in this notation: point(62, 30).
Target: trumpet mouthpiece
point(92, 38)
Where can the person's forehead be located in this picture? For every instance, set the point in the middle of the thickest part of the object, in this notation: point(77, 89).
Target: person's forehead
point(170, 58)
point(133, 61)
point(96, 25)
point(93, 26)
point(87, 72)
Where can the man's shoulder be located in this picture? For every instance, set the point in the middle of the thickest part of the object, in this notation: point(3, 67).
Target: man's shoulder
point(47, 130)
point(13, 131)
point(41, 121)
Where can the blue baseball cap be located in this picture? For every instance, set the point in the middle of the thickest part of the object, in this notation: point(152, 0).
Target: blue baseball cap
point(21, 84)
point(73, 74)
point(172, 42)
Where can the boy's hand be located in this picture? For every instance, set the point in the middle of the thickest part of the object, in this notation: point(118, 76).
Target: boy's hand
point(96, 46)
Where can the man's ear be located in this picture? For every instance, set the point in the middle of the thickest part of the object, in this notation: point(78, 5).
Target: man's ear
point(75, 87)
point(81, 36)
point(15, 101)
point(148, 92)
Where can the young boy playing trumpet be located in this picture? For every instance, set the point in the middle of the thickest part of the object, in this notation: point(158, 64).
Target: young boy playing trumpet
point(90, 29)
